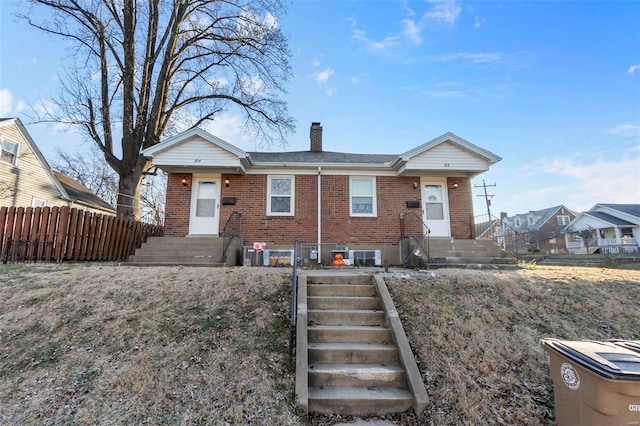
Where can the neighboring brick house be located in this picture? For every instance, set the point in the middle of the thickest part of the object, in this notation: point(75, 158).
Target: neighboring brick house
point(318, 197)
point(26, 180)
point(540, 230)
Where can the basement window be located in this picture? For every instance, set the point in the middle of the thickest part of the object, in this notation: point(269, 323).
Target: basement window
point(280, 195)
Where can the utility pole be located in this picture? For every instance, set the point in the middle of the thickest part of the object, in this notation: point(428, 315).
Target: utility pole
point(486, 196)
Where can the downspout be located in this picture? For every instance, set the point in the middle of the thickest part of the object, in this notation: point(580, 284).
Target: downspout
point(319, 215)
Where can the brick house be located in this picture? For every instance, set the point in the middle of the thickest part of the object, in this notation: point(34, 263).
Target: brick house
point(321, 198)
point(539, 230)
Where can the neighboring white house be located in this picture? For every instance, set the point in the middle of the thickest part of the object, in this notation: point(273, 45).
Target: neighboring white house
point(26, 180)
point(607, 228)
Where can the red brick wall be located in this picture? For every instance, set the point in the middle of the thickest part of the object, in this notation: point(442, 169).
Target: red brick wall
point(460, 207)
point(176, 221)
point(337, 226)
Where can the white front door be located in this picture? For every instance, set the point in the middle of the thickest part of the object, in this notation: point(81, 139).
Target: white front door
point(205, 205)
point(435, 207)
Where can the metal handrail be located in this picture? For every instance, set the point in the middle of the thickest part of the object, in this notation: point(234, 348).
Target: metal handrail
point(423, 236)
point(231, 230)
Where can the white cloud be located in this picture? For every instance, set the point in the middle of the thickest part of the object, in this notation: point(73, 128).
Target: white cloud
point(625, 130)
point(479, 22)
point(476, 58)
point(376, 46)
point(446, 11)
point(230, 129)
point(6, 99)
point(412, 31)
point(445, 94)
point(632, 69)
point(270, 20)
point(355, 81)
point(352, 22)
point(323, 76)
point(330, 92)
point(573, 182)
point(316, 62)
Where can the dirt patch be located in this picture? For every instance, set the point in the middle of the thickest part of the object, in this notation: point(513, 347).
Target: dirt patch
point(98, 343)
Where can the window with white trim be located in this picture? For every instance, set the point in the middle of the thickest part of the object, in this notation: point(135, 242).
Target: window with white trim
point(362, 193)
point(9, 152)
point(280, 195)
point(563, 220)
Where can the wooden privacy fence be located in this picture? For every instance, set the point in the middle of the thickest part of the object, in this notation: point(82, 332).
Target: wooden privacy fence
point(63, 233)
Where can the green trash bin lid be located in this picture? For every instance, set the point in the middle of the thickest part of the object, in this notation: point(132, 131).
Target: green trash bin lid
point(617, 360)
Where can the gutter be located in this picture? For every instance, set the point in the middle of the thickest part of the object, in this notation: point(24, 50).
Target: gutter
point(319, 215)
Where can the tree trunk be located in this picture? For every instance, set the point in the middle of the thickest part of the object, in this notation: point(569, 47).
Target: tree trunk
point(129, 194)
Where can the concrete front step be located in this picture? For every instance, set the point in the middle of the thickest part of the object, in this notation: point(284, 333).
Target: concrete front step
point(470, 259)
point(356, 375)
point(354, 290)
point(349, 334)
point(175, 259)
point(180, 251)
point(170, 263)
point(345, 317)
point(344, 302)
point(359, 401)
point(340, 279)
point(352, 353)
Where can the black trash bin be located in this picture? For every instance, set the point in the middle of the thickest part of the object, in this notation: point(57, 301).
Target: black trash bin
point(595, 383)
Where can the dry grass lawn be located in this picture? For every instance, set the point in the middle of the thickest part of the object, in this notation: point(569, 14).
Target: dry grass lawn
point(103, 344)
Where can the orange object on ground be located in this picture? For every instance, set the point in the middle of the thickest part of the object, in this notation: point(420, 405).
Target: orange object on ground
point(338, 260)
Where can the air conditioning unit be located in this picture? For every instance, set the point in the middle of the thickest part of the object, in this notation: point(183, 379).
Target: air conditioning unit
point(275, 257)
point(365, 257)
point(250, 257)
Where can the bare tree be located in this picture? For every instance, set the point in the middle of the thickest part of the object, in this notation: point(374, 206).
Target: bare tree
point(90, 169)
point(141, 69)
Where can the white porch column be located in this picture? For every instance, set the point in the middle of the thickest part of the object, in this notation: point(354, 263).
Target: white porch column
point(618, 235)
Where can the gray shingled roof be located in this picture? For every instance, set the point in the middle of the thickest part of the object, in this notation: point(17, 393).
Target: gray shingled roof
point(324, 157)
point(609, 218)
point(81, 194)
point(632, 209)
point(545, 215)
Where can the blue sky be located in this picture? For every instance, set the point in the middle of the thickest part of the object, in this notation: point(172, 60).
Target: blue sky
point(551, 87)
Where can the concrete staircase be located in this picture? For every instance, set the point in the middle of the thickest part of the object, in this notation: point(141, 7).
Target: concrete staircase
point(464, 253)
point(352, 354)
point(188, 251)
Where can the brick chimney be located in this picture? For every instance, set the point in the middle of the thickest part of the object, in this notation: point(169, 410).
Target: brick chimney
point(316, 137)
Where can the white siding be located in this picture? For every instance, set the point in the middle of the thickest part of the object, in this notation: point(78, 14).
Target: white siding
point(196, 152)
point(446, 156)
point(18, 185)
